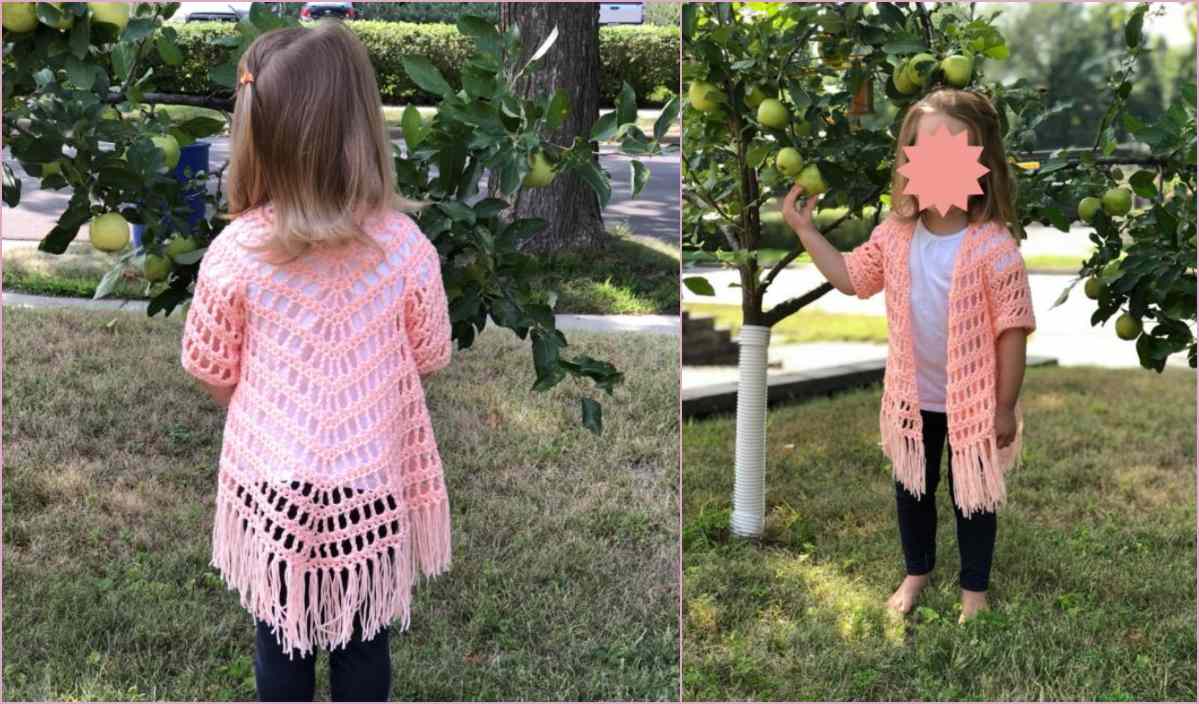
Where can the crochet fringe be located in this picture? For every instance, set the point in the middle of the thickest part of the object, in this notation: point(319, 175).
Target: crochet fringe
point(905, 452)
point(379, 596)
point(981, 490)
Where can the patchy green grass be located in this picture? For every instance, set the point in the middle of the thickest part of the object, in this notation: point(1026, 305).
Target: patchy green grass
point(1054, 263)
point(629, 275)
point(75, 272)
point(565, 575)
point(1093, 589)
point(805, 326)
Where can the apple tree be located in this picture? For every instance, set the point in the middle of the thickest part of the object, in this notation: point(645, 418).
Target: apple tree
point(81, 112)
point(815, 92)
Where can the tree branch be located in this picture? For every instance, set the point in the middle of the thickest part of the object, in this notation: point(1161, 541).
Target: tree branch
point(196, 101)
point(794, 254)
point(792, 305)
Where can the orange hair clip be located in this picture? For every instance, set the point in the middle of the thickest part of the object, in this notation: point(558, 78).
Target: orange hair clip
point(246, 77)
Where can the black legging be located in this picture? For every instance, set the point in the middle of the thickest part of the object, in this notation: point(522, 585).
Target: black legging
point(918, 518)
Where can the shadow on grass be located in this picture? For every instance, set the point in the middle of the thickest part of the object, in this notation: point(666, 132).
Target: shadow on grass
point(1094, 578)
point(629, 275)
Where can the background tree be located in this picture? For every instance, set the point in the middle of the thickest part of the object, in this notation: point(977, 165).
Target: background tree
point(569, 204)
point(79, 113)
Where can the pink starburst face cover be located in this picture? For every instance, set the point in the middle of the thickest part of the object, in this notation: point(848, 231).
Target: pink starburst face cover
point(942, 169)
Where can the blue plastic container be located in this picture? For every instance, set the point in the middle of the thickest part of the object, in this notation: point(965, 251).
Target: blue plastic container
point(193, 158)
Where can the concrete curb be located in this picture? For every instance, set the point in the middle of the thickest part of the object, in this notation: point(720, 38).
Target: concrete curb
point(699, 402)
point(650, 324)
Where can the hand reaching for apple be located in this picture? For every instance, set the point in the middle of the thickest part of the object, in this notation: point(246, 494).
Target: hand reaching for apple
point(824, 255)
point(800, 219)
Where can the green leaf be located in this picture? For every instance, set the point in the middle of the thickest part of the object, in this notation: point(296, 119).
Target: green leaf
point(546, 44)
point(666, 118)
point(122, 60)
point(138, 29)
point(426, 76)
point(490, 207)
point(593, 416)
point(457, 211)
point(626, 105)
point(486, 37)
point(12, 188)
point(80, 73)
point(81, 36)
point(558, 109)
point(192, 257)
point(1143, 185)
point(168, 50)
point(519, 230)
point(109, 281)
point(545, 361)
point(905, 46)
point(604, 127)
point(77, 213)
point(595, 178)
point(1132, 28)
point(413, 126)
point(699, 285)
point(639, 175)
point(998, 52)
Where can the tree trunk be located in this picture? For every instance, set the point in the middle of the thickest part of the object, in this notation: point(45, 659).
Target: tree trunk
point(568, 204)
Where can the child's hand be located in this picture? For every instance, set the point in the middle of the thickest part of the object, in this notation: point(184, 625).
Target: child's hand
point(1005, 426)
point(800, 219)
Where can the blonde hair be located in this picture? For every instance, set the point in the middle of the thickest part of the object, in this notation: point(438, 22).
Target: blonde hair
point(997, 201)
point(308, 137)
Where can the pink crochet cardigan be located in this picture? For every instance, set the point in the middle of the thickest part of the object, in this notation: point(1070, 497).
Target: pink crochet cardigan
point(329, 467)
point(989, 293)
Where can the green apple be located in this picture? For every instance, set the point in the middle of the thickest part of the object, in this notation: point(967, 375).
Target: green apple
point(919, 67)
point(1087, 207)
point(773, 113)
point(114, 13)
point(1128, 327)
point(789, 162)
point(958, 70)
point(755, 95)
point(50, 168)
point(704, 96)
point(109, 232)
point(1094, 287)
point(156, 267)
point(902, 83)
point(20, 17)
point(803, 128)
point(66, 21)
point(541, 172)
point(1117, 201)
point(179, 245)
point(110, 113)
point(169, 147)
point(811, 180)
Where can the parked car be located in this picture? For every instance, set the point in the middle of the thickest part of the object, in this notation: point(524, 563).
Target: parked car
point(319, 10)
point(211, 12)
point(622, 13)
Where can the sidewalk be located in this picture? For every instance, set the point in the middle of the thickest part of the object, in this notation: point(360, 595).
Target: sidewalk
point(650, 324)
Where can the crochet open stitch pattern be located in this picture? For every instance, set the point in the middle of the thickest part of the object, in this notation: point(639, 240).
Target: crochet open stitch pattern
point(329, 480)
point(989, 293)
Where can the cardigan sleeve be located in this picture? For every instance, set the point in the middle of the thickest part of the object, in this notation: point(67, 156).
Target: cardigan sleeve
point(865, 265)
point(1011, 296)
point(215, 326)
point(426, 311)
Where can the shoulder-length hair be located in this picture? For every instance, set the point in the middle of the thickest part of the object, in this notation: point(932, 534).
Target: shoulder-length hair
point(997, 201)
point(309, 139)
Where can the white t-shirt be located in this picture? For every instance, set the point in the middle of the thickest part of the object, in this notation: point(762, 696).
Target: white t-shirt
point(931, 263)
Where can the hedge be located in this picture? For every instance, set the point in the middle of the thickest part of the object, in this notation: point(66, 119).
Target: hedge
point(645, 56)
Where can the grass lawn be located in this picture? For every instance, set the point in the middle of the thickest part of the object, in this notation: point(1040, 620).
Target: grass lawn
point(633, 275)
point(1093, 588)
point(805, 326)
point(565, 576)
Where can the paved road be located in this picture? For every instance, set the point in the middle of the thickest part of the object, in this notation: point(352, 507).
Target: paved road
point(1063, 332)
point(654, 213)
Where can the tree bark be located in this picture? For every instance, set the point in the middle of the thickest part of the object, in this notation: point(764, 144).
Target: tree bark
point(568, 204)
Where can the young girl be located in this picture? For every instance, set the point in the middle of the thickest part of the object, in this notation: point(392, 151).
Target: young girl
point(958, 313)
point(315, 313)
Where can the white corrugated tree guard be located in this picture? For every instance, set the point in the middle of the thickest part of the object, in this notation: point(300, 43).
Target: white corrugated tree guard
point(749, 488)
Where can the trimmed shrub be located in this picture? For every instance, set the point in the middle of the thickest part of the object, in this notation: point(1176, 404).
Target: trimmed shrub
point(645, 56)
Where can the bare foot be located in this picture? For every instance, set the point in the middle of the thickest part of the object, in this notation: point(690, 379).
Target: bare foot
point(904, 597)
point(972, 603)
